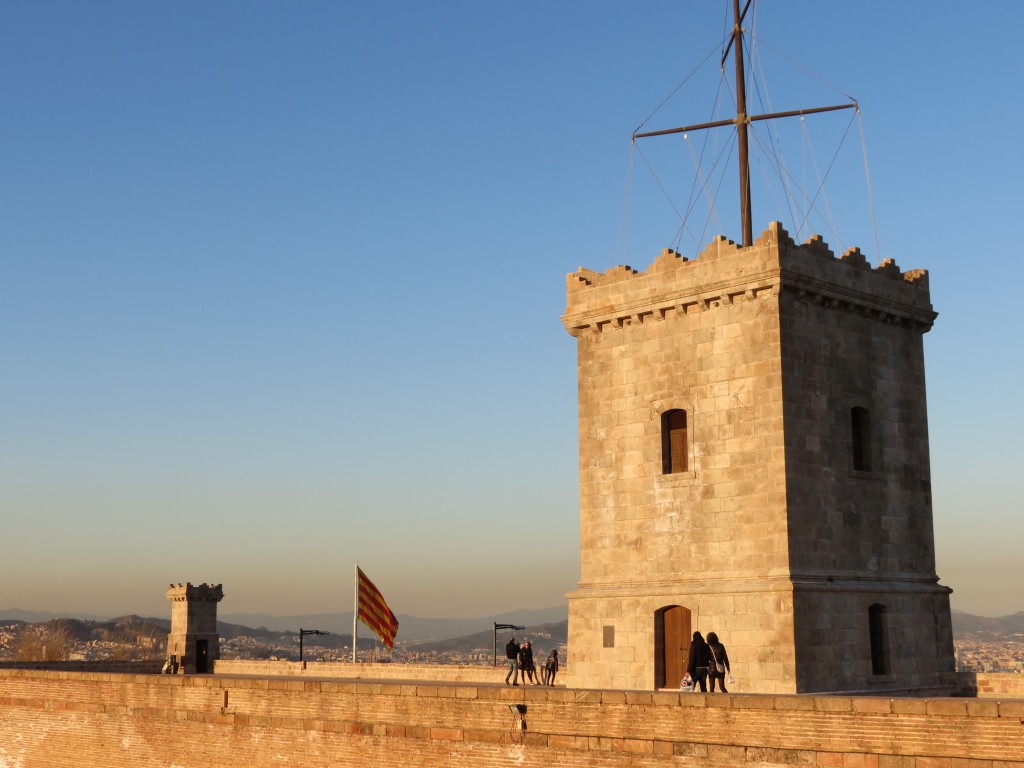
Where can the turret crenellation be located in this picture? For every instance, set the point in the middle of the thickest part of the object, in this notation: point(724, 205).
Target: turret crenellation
point(725, 272)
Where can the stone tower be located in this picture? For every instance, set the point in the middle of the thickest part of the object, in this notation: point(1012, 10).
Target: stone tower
point(754, 462)
point(193, 644)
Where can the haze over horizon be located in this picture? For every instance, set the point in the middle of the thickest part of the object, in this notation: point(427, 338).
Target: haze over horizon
point(282, 282)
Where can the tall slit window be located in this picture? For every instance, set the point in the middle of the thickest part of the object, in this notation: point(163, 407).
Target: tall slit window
point(861, 430)
point(879, 640)
point(674, 447)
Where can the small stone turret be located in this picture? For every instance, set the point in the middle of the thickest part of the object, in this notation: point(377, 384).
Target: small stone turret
point(193, 644)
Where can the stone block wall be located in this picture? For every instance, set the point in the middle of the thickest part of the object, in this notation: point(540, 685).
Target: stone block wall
point(701, 336)
point(93, 720)
point(851, 337)
point(991, 685)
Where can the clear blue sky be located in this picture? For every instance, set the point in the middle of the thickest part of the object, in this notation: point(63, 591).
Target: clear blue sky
point(280, 282)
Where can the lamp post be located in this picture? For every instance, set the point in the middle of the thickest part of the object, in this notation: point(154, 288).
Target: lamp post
point(498, 626)
point(303, 633)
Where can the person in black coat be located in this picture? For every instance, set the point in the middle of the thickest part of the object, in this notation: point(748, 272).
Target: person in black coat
point(697, 664)
point(526, 665)
point(718, 658)
point(552, 666)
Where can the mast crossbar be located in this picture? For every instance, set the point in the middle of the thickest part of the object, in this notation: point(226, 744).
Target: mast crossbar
point(742, 119)
point(750, 119)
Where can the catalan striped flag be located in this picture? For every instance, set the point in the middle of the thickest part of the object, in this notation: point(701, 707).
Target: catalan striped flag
point(374, 612)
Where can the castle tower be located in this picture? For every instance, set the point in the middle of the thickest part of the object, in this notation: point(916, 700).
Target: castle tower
point(754, 462)
point(193, 644)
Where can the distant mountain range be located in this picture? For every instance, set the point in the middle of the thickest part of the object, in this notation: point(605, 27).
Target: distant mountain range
point(965, 623)
point(451, 634)
point(411, 629)
point(132, 629)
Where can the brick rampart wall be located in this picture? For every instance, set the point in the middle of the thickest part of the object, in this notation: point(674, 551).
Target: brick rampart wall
point(51, 718)
point(437, 673)
point(146, 667)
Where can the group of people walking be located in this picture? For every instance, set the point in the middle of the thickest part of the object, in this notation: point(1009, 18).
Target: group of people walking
point(708, 663)
point(520, 660)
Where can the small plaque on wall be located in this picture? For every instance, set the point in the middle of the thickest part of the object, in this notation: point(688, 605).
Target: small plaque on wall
point(609, 637)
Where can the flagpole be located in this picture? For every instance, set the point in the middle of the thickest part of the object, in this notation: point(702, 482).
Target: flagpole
point(355, 612)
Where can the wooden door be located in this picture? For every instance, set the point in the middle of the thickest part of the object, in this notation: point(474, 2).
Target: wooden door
point(202, 657)
point(673, 624)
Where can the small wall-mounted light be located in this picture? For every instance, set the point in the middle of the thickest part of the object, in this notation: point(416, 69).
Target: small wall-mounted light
point(520, 711)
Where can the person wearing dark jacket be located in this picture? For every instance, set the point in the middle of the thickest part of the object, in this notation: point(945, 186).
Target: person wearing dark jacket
point(527, 668)
point(551, 665)
point(697, 664)
point(718, 659)
point(512, 653)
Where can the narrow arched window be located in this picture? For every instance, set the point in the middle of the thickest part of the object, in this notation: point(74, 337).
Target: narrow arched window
point(674, 446)
point(879, 640)
point(861, 431)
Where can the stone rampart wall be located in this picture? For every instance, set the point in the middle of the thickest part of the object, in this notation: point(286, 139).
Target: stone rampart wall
point(218, 721)
point(988, 685)
point(145, 667)
point(438, 673)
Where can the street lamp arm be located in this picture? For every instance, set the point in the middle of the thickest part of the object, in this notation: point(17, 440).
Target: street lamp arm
point(304, 632)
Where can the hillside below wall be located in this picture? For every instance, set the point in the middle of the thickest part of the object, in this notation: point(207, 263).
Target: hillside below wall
point(220, 721)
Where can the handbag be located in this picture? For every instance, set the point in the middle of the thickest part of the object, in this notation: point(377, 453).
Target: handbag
point(715, 667)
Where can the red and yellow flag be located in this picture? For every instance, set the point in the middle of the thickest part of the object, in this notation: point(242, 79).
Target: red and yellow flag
point(374, 612)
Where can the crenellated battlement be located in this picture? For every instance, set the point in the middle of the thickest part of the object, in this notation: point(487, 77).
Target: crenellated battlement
point(191, 592)
point(774, 236)
point(725, 273)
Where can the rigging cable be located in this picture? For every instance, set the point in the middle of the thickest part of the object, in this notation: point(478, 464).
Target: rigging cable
point(867, 175)
point(829, 218)
point(828, 171)
point(627, 206)
point(774, 144)
point(662, 186)
point(698, 165)
point(785, 177)
point(721, 180)
point(675, 91)
point(764, 168)
point(815, 75)
point(709, 199)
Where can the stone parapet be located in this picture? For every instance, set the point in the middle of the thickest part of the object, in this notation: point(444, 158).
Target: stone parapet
point(139, 667)
point(989, 685)
point(458, 673)
point(210, 593)
point(216, 721)
point(726, 273)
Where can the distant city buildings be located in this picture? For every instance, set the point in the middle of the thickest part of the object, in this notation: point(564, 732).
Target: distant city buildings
point(974, 652)
point(990, 654)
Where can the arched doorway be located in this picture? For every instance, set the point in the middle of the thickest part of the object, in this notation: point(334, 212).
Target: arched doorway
point(671, 645)
point(202, 657)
